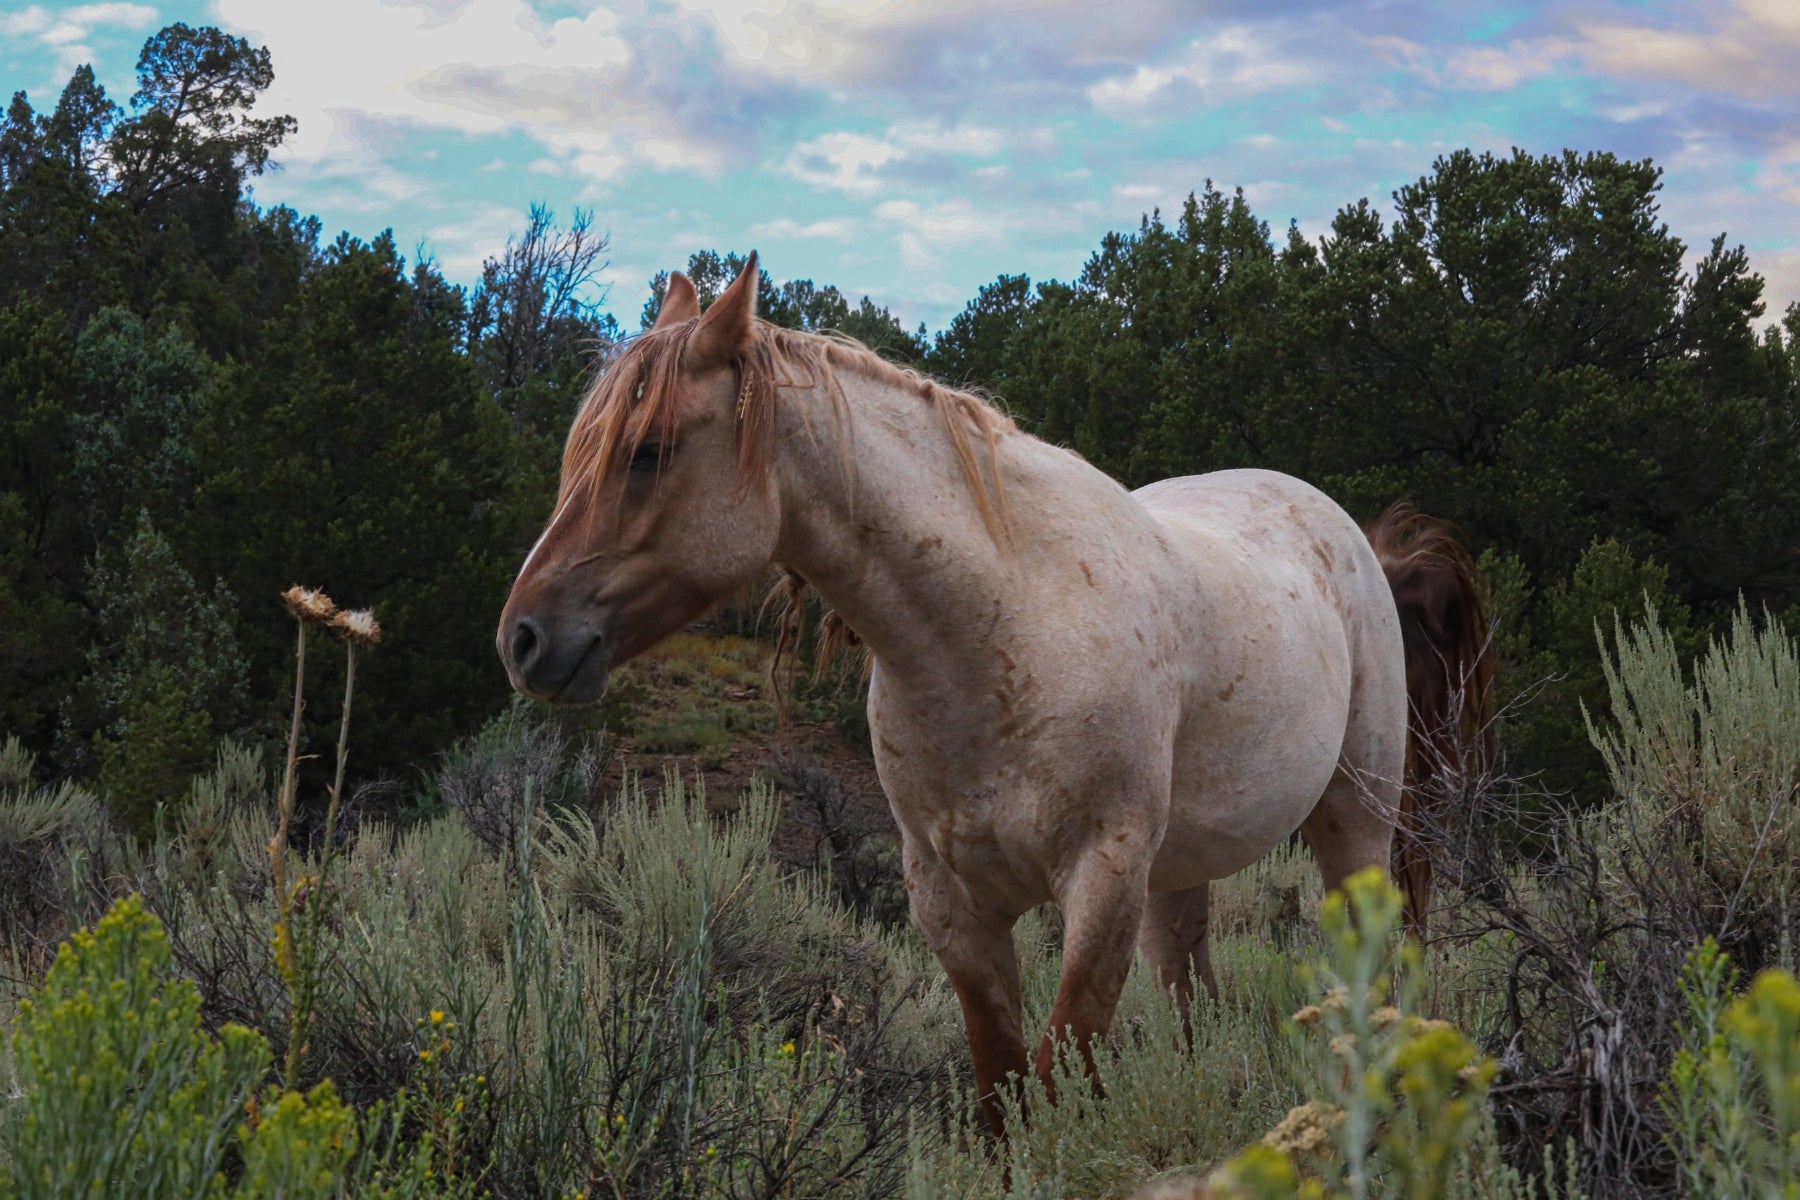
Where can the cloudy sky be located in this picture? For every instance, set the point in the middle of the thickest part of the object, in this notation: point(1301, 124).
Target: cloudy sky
point(915, 149)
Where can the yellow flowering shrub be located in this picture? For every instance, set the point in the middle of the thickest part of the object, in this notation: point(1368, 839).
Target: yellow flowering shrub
point(123, 1093)
point(1399, 1098)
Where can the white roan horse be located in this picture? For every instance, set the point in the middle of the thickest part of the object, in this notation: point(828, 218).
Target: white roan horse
point(1079, 693)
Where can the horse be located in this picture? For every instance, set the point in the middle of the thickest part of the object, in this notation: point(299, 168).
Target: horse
point(1079, 693)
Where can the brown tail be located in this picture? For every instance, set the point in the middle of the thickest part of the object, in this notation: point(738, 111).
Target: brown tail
point(1449, 683)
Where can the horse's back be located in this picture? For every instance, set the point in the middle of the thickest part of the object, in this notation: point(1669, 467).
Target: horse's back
point(1272, 527)
point(1298, 667)
point(1246, 505)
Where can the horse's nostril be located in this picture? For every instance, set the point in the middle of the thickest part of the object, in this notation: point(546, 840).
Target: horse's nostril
point(527, 641)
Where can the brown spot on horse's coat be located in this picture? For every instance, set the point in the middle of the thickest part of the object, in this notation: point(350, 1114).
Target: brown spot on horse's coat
point(892, 749)
point(1088, 574)
point(1225, 692)
point(926, 545)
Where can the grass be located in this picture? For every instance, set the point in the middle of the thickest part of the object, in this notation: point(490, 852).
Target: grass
point(692, 695)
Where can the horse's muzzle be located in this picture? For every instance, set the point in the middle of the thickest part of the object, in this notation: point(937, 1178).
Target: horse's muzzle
point(564, 667)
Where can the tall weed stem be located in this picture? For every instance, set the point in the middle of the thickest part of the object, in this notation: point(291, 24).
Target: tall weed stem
point(278, 852)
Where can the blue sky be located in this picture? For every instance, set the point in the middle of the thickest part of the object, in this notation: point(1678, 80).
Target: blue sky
point(915, 150)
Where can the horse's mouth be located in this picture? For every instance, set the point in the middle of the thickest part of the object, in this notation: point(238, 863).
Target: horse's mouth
point(586, 683)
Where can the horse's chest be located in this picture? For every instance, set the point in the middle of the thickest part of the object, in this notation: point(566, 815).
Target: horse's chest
point(1005, 813)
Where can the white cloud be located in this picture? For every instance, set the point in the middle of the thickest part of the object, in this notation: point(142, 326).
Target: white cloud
point(974, 141)
point(576, 85)
point(857, 162)
point(843, 160)
point(59, 25)
point(1498, 68)
point(1234, 62)
point(462, 246)
point(925, 231)
point(65, 31)
point(834, 229)
point(1750, 49)
point(856, 44)
point(1745, 47)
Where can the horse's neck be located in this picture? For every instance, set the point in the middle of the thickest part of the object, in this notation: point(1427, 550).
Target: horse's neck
point(880, 518)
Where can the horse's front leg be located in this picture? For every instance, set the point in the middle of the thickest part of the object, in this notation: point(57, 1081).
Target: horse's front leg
point(1102, 900)
point(974, 943)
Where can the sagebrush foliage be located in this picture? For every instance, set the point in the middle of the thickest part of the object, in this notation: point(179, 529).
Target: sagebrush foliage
point(634, 1001)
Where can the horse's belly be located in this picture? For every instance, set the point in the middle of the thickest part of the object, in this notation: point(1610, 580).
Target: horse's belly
point(1225, 815)
point(1251, 760)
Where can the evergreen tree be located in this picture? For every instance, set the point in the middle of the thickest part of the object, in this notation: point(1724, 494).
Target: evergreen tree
point(163, 675)
point(358, 454)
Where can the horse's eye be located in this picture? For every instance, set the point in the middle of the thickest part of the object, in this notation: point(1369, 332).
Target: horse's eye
point(650, 457)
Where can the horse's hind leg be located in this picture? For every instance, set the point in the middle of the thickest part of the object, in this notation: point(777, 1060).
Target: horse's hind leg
point(1352, 826)
point(976, 950)
point(1173, 938)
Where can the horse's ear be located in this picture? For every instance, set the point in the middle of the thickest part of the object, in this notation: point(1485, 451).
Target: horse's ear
point(725, 327)
point(680, 302)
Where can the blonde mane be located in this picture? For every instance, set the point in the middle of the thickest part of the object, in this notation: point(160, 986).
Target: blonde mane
point(634, 400)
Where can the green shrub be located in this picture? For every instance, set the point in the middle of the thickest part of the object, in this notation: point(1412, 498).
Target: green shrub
point(1733, 1095)
point(122, 1092)
point(1714, 766)
point(41, 830)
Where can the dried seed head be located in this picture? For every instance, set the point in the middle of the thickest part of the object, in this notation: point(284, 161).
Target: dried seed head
point(359, 626)
point(1384, 1016)
point(1305, 1128)
point(1309, 1015)
point(309, 604)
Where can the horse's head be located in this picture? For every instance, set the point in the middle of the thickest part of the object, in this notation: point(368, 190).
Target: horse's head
point(663, 510)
